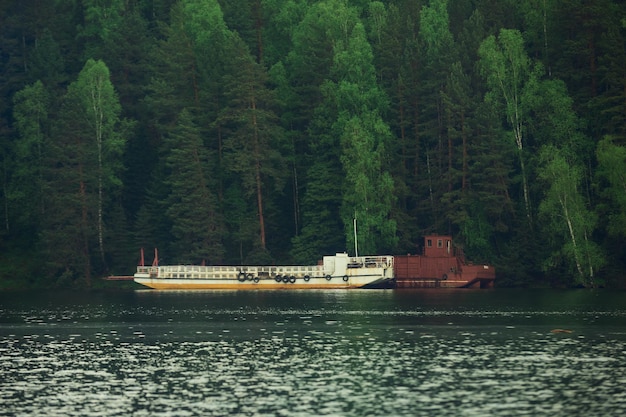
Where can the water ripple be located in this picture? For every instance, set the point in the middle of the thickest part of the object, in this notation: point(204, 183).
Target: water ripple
point(305, 355)
point(315, 372)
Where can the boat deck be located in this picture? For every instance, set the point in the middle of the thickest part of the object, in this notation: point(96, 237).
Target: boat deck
point(353, 266)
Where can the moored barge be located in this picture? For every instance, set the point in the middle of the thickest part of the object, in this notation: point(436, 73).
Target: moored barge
point(335, 272)
point(440, 265)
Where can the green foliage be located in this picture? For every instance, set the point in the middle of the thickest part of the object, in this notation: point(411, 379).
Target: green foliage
point(321, 218)
point(567, 216)
point(68, 230)
point(100, 108)
point(477, 233)
point(434, 27)
point(363, 135)
point(84, 168)
point(280, 18)
point(191, 205)
point(101, 21)
point(511, 77)
point(31, 107)
point(253, 140)
point(46, 61)
point(612, 169)
point(264, 127)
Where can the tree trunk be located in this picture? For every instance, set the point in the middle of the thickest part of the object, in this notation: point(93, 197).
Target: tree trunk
point(258, 26)
point(402, 129)
point(545, 39)
point(591, 272)
point(449, 154)
point(99, 122)
point(5, 188)
point(517, 131)
point(563, 201)
point(417, 142)
point(257, 173)
point(84, 227)
point(296, 200)
point(464, 137)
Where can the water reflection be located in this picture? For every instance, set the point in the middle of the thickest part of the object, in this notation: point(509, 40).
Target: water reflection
point(356, 353)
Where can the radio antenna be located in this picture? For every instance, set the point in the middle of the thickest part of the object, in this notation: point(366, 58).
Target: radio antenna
point(356, 245)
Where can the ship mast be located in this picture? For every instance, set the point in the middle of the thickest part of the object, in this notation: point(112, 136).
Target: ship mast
point(356, 246)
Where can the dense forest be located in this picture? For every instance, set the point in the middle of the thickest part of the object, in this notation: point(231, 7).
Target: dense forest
point(256, 131)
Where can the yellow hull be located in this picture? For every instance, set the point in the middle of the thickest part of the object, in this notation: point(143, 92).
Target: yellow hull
point(336, 272)
point(267, 284)
point(160, 284)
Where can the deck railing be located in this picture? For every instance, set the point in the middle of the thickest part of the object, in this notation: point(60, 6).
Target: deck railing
point(200, 271)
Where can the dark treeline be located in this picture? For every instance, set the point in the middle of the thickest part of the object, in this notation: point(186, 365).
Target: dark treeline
point(255, 131)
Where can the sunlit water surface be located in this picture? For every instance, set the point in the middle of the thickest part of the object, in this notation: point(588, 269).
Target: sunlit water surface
point(305, 353)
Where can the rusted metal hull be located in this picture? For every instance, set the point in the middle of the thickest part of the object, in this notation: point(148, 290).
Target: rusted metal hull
point(441, 266)
point(450, 283)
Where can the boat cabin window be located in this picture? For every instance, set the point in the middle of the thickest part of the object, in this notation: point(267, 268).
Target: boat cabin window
point(429, 243)
point(439, 243)
point(448, 245)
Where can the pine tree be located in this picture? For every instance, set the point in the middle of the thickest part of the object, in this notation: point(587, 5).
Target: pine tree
point(192, 206)
point(67, 235)
point(31, 109)
point(611, 156)
point(253, 140)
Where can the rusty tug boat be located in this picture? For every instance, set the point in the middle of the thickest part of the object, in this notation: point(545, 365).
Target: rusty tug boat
point(439, 266)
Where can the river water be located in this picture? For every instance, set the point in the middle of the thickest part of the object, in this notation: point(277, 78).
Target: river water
point(309, 353)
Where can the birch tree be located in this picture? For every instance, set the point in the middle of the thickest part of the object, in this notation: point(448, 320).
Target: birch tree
point(364, 140)
point(566, 214)
point(100, 109)
point(509, 73)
